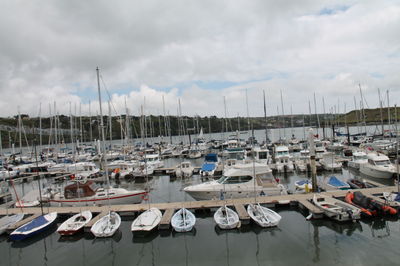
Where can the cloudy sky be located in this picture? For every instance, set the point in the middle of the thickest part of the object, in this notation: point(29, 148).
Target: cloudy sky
point(198, 52)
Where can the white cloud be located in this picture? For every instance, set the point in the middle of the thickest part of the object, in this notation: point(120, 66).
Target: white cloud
point(48, 52)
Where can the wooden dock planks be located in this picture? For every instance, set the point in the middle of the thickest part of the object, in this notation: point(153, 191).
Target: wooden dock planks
point(166, 219)
point(243, 215)
point(94, 220)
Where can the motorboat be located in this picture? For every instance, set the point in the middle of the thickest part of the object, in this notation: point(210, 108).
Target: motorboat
point(333, 183)
point(183, 220)
point(107, 225)
point(184, 169)
point(263, 216)
point(239, 182)
point(143, 170)
point(154, 160)
point(369, 207)
point(283, 159)
point(121, 169)
point(210, 165)
point(75, 224)
point(226, 218)
point(147, 220)
point(378, 166)
point(359, 158)
point(329, 162)
point(261, 155)
point(34, 227)
point(87, 193)
point(358, 184)
point(336, 209)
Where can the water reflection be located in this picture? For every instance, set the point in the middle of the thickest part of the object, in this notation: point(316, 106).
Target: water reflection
point(347, 228)
point(379, 227)
point(145, 237)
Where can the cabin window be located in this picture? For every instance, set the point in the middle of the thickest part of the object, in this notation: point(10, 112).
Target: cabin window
point(386, 162)
point(262, 155)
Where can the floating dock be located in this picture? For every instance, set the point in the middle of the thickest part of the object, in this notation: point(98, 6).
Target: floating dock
point(301, 200)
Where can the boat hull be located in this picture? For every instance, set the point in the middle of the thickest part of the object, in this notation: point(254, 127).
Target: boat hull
point(122, 199)
point(377, 173)
point(19, 235)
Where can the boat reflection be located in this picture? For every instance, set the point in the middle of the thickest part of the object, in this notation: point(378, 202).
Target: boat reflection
point(347, 228)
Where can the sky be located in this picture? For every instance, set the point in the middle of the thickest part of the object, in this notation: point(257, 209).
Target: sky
point(201, 53)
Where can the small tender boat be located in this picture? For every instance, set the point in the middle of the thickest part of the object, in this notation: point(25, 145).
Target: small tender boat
point(333, 183)
point(357, 184)
point(368, 206)
point(226, 218)
point(263, 216)
point(301, 185)
point(75, 223)
point(9, 220)
point(336, 209)
point(107, 225)
point(183, 220)
point(34, 227)
point(147, 220)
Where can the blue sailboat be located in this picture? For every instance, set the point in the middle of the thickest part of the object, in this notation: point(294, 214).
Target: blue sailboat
point(37, 225)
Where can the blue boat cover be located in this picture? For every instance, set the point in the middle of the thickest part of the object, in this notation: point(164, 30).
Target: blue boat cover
point(39, 221)
point(211, 157)
point(336, 182)
point(302, 182)
point(208, 167)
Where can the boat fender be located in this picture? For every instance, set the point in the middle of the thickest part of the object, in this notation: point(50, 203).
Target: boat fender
point(309, 217)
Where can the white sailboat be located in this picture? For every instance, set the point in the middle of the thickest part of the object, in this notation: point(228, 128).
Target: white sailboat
point(9, 220)
point(108, 224)
point(75, 223)
point(183, 220)
point(147, 221)
point(263, 216)
point(226, 218)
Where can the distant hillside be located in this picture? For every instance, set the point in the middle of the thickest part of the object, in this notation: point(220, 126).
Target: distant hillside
point(155, 126)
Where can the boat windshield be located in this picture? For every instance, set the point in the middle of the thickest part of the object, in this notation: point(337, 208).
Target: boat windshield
point(282, 153)
point(360, 157)
point(385, 162)
point(263, 155)
point(234, 179)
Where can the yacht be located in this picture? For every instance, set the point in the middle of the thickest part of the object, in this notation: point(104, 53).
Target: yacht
point(87, 193)
point(378, 166)
point(329, 162)
point(239, 182)
point(359, 157)
point(283, 159)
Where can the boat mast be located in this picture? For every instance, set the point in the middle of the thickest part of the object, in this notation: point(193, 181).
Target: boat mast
point(397, 151)
point(381, 111)
point(283, 118)
point(387, 95)
point(247, 108)
point(324, 126)
point(363, 110)
point(316, 113)
point(265, 120)
point(40, 125)
point(103, 136)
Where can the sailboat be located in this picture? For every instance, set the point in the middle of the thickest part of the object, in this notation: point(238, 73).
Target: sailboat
point(108, 224)
point(37, 225)
point(263, 216)
point(75, 224)
point(226, 218)
point(149, 219)
point(9, 220)
point(183, 220)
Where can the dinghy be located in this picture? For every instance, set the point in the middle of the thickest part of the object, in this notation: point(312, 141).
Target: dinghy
point(337, 209)
point(107, 225)
point(9, 220)
point(302, 184)
point(34, 227)
point(263, 216)
point(333, 183)
point(183, 220)
point(75, 223)
point(226, 218)
point(146, 221)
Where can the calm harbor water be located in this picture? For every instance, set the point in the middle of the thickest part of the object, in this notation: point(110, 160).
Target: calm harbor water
point(295, 241)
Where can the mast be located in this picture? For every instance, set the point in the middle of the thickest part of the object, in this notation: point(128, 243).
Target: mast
point(90, 125)
point(265, 120)
point(247, 108)
point(40, 125)
point(80, 121)
point(20, 132)
point(381, 111)
point(316, 113)
point(324, 126)
point(110, 122)
point(102, 134)
point(283, 117)
point(71, 129)
point(363, 110)
point(387, 95)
